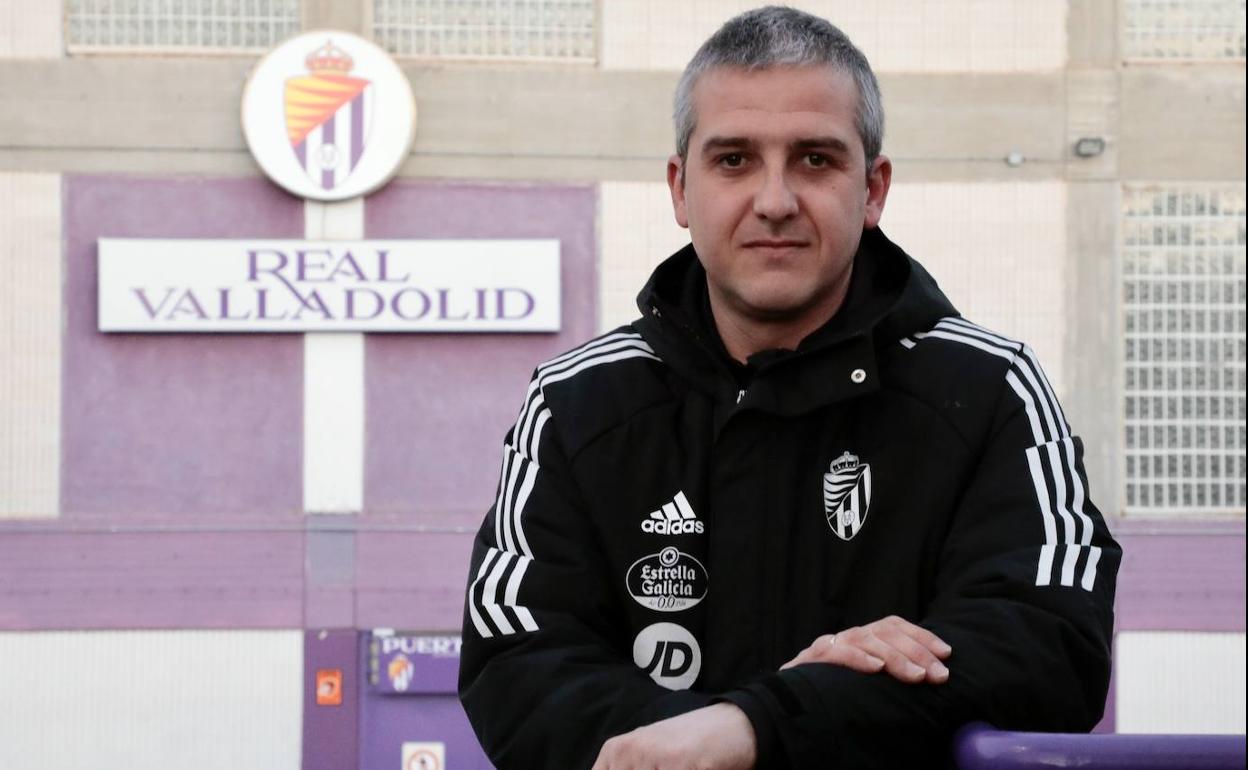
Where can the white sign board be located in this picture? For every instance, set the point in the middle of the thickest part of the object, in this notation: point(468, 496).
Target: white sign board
point(298, 286)
point(424, 755)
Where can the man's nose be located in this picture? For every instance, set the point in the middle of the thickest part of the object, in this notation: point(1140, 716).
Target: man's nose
point(774, 199)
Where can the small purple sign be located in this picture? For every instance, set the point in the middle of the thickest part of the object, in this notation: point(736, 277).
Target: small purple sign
point(413, 664)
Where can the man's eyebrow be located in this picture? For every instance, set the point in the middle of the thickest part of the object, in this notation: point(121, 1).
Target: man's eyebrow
point(725, 142)
point(830, 143)
point(822, 143)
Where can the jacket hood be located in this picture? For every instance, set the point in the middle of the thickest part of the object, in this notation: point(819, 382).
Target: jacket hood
point(890, 297)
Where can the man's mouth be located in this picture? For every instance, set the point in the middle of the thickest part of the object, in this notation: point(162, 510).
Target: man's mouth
point(775, 243)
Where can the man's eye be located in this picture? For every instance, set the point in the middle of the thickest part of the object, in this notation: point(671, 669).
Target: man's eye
point(815, 160)
point(733, 160)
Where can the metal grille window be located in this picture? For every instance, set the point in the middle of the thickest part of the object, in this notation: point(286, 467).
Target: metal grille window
point(1183, 29)
point(1184, 300)
point(537, 30)
point(179, 25)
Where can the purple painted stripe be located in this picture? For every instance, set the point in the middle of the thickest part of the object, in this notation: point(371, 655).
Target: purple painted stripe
point(357, 130)
point(101, 580)
point(331, 733)
point(235, 571)
point(327, 138)
point(1181, 582)
point(301, 152)
point(411, 580)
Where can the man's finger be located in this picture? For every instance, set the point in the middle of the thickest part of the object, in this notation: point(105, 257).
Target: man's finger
point(896, 663)
point(932, 642)
point(916, 653)
point(830, 649)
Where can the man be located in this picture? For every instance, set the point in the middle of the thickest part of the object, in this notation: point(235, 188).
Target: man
point(800, 514)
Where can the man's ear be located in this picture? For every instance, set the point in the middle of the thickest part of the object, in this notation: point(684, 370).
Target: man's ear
point(878, 181)
point(676, 183)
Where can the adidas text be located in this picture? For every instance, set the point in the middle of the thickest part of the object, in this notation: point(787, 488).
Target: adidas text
point(665, 527)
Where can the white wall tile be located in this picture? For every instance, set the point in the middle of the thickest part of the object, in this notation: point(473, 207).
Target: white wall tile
point(1180, 682)
point(998, 251)
point(121, 700)
point(638, 232)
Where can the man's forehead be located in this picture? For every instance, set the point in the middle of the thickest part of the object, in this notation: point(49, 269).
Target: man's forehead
point(789, 103)
point(788, 89)
point(718, 82)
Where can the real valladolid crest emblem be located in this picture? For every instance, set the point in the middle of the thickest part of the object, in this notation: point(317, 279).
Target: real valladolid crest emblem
point(847, 495)
point(328, 115)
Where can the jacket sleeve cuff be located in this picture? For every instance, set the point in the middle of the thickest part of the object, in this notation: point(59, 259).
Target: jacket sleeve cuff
point(751, 700)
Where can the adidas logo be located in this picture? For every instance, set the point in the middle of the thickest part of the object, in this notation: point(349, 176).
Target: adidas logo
point(674, 518)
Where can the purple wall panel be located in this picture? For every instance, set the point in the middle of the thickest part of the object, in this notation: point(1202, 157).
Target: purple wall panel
point(389, 721)
point(175, 424)
point(438, 405)
point(78, 580)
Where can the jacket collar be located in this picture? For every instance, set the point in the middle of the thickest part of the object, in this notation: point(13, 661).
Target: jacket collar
point(890, 296)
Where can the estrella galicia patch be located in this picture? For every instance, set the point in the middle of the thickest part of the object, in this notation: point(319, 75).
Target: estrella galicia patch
point(847, 495)
point(667, 581)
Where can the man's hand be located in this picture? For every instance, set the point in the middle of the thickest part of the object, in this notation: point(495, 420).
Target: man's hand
point(906, 651)
point(716, 737)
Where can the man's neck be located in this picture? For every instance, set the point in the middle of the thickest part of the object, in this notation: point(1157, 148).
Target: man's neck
point(744, 335)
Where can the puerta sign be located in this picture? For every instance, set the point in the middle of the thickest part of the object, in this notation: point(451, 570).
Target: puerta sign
point(299, 286)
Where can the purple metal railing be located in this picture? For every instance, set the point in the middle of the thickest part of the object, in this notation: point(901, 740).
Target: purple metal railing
point(980, 747)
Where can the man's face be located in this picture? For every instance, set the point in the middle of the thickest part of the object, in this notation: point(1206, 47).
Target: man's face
point(775, 191)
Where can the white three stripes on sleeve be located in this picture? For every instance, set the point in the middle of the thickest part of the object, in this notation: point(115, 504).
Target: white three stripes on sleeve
point(493, 594)
point(1053, 456)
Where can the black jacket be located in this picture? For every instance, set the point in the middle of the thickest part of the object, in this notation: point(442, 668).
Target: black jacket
point(670, 529)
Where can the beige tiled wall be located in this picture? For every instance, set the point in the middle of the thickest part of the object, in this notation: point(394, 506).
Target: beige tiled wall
point(30, 344)
point(896, 35)
point(30, 30)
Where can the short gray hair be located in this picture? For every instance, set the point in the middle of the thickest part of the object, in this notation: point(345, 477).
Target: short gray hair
point(778, 36)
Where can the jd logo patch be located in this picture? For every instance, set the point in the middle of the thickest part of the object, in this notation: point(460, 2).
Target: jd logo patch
point(669, 654)
point(847, 495)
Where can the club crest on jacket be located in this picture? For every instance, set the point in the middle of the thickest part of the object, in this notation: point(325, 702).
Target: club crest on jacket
point(847, 495)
